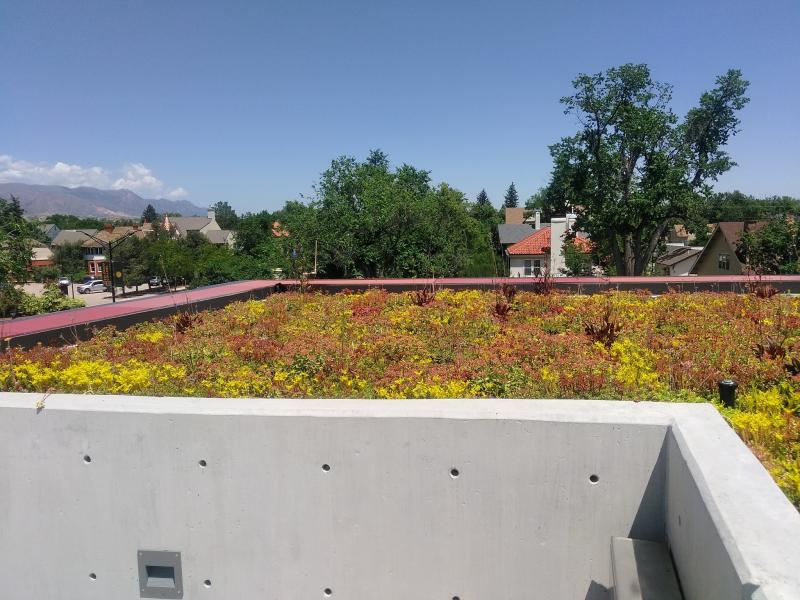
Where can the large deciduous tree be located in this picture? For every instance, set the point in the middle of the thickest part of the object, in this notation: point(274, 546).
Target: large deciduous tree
point(634, 167)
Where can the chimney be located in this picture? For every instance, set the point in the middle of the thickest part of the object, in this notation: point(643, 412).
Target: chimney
point(108, 227)
point(212, 214)
point(571, 221)
point(515, 216)
point(537, 215)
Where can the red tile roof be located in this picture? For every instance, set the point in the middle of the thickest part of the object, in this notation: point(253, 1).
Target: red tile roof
point(539, 243)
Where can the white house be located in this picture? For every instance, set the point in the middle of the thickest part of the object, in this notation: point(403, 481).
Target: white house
point(542, 252)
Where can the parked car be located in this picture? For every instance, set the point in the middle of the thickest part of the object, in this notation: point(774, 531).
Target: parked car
point(155, 282)
point(93, 286)
point(90, 279)
point(64, 281)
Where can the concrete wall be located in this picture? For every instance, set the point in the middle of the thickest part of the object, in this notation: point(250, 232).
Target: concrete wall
point(260, 517)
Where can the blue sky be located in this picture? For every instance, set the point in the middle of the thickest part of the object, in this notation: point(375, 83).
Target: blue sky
point(249, 101)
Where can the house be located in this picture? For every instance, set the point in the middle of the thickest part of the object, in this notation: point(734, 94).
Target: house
point(678, 234)
point(42, 257)
point(718, 257)
point(95, 247)
point(515, 229)
point(533, 256)
point(278, 230)
point(677, 260)
point(49, 231)
point(181, 227)
point(72, 236)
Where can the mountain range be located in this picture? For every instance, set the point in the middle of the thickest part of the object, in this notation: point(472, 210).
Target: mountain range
point(44, 200)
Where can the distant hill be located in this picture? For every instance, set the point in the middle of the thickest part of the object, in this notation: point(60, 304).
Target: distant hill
point(43, 200)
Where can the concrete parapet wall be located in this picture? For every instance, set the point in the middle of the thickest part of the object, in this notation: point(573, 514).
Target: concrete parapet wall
point(379, 499)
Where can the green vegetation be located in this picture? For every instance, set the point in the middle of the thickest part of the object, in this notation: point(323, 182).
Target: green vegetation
point(634, 168)
point(369, 220)
point(16, 242)
point(511, 199)
point(774, 249)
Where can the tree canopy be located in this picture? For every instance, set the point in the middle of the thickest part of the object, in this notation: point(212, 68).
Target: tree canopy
point(225, 215)
point(149, 215)
point(634, 167)
point(511, 199)
point(16, 242)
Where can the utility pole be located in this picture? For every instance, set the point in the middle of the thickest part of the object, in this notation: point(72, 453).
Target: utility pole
point(111, 246)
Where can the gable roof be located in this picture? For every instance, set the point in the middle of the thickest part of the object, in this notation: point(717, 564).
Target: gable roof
point(539, 243)
point(111, 235)
point(187, 224)
point(49, 229)
point(673, 257)
point(218, 236)
point(72, 236)
point(733, 230)
point(511, 233)
point(42, 253)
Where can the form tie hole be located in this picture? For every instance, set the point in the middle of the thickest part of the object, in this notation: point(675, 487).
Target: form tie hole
point(87, 459)
point(202, 463)
point(92, 576)
point(454, 473)
point(207, 583)
point(594, 478)
point(328, 592)
point(326, 467)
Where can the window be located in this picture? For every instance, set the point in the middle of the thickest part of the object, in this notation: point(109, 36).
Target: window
point(91, 267)
point(724, 262)
point(537, 267)
point(528, 270)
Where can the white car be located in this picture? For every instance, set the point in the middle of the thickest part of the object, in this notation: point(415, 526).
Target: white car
point(92, 287)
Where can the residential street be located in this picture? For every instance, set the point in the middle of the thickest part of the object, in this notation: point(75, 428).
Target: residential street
point(99, 299)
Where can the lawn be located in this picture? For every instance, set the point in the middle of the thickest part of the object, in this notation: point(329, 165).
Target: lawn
point(461, 344)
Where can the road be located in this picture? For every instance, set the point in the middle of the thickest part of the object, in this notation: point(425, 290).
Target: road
point(101, 298)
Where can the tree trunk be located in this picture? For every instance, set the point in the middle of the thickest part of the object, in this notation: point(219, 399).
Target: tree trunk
point(630, 256)
point(647, 255)
point(618, 262)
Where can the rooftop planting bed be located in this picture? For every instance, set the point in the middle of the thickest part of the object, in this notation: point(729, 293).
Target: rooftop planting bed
point(460, 344)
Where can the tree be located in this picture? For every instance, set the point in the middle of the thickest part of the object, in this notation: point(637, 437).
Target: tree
point(68, 258)
point(370, 220)
point(225, 215)
point(773, 249)
point(129, 259)
point(577, 263)
point(149, 215)
point(634, 169)
point(511, 197)
point(16, 242)
point(537, 201)
point(488, 218)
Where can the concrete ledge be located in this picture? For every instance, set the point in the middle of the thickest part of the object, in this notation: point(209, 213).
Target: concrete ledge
point(642, 571)
point(390, 499)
